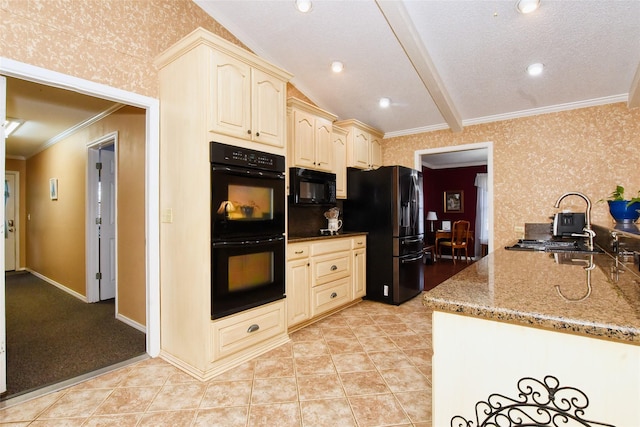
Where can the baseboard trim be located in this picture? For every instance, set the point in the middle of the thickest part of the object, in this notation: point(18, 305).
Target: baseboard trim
point(58, 285)
point(132, 323)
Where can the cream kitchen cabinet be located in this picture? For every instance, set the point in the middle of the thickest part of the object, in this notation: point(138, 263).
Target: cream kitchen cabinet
point(201, 79)
point(246, 102)
point(310, 142)
point(364, 144)
point(298, 282)
point(359, 266)
point(340, 161)
point(322, 276)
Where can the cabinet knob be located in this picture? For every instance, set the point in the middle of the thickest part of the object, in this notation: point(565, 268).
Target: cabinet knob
point(253, 328)
point(333, 295)
point(249, 132)
point(334, 268)
point(257, 133)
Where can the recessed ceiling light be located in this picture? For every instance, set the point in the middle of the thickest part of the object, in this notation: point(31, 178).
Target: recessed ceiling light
point(535, 69)
point(384, 102)
point(10, 126)
point(337, 66)
point(527, 6)
point(303, 6)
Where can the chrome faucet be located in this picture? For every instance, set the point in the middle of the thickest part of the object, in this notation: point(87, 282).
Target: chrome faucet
point(587, 228)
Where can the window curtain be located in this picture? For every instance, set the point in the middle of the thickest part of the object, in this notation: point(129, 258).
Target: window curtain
point(482, 213)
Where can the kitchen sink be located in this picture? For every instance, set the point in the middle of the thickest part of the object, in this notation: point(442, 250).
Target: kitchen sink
point(553, 246)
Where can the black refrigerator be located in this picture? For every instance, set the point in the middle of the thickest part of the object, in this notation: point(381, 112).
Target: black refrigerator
point(387, 203)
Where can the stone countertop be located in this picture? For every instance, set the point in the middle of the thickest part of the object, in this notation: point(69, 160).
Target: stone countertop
point(296, 239)
point(551, 291)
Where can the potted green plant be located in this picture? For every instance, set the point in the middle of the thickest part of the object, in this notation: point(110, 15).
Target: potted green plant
point(623, 210)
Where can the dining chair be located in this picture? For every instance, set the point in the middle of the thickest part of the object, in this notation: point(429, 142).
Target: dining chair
point(459, 240)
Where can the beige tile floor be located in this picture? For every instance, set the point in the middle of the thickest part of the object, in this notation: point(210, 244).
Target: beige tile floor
point(368, 365)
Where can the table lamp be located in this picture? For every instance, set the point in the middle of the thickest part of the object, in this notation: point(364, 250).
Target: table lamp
point(431, 216)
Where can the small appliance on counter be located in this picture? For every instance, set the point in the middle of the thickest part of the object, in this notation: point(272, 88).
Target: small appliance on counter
point(566, 224)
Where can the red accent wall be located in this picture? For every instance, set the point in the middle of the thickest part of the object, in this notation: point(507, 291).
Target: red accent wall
point(437, 181)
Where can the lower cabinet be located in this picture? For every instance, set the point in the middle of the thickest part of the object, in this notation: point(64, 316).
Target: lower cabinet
point(323, 276)
point(247, 330)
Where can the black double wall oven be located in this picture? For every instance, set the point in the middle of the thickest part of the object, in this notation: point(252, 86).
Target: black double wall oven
point(247, 229)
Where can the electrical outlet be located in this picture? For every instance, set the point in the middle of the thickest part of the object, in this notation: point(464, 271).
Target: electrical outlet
point(386, 291)
point(519, 229)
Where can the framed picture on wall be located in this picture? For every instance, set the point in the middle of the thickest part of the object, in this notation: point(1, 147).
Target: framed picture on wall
point(454, 201)
point(53, 189)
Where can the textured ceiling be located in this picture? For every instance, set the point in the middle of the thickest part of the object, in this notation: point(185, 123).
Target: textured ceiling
point(478, 51)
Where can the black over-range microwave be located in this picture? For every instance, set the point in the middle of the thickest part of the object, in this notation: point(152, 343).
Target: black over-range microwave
point(311, 187)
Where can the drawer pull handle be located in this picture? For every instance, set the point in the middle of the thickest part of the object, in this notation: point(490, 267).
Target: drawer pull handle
point(334, 268)
point(298, 252)
point(253, 328)
point(333, 295)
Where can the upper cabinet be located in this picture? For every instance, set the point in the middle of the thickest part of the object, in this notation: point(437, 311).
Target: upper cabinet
point(364, 144)
point(340, 161)
point(246, 102)
point(310, 136)
point(234, 96)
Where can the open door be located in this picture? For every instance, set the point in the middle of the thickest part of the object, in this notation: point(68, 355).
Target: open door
point(3, 341)
point(101, 218)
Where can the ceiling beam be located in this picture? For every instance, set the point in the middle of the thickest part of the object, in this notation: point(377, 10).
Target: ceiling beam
point(402, 26)
point(634, 91)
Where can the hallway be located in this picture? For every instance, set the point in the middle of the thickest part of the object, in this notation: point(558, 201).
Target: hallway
point(53, 336)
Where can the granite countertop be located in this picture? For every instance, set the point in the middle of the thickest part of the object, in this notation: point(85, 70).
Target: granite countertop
point(295, 239)
point(551, 291)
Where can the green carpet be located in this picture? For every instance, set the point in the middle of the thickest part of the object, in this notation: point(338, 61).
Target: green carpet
point(53, 336)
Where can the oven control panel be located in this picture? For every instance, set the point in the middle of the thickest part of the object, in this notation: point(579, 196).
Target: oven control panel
point(238, 156)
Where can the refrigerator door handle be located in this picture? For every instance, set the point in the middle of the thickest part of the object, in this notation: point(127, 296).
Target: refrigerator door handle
point(406, 261)
point(405, 241)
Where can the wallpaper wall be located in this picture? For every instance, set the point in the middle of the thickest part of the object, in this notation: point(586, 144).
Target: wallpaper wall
point(538, 158)
point(112, 42)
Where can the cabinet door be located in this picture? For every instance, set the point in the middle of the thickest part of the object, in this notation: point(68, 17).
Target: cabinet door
point(375, 155)
point(298, 291)
point(360, 149)
point(359, 273)
point(340, 163)
point(303, 135)
point(268, 109)
point(230, 97)
point(324, 146)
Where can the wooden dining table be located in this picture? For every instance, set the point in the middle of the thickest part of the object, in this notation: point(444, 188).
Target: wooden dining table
point(446, 234)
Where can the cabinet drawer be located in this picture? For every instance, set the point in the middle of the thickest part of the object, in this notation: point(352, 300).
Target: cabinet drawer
point(359, 242)
point(237, 332)
point(297, 251)
point(330, 295)
point(331, 246)
point(327, 268)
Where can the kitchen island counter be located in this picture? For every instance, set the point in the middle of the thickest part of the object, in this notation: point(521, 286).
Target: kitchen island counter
point(516, 315)
point(553, 291)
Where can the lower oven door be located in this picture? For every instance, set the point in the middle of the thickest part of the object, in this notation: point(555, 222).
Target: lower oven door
point(410, 277)
point(245, 274)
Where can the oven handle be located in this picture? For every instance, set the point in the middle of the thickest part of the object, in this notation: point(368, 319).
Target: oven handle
point(248, 172)
point(236, 243)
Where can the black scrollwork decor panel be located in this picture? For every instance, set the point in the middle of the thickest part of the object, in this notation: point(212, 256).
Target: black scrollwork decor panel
point(539, 403)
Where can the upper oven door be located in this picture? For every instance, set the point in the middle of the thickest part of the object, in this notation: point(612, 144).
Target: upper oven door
point(246, 203)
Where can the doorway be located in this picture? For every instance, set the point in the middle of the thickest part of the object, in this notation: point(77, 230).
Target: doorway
point(464, 155)
point(24, 71)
